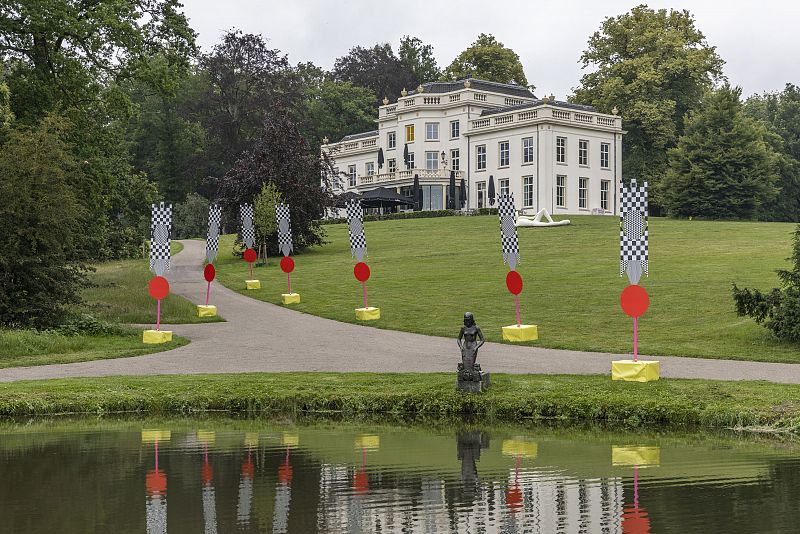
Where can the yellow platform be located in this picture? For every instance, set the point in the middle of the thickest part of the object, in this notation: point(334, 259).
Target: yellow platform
point(525, 332)
point(521, 448)
point(640, 456)
point(368, 314)
point(290, 298)
point(206, 311)
point(156, 336)
point(253, 284)
point(632, 371)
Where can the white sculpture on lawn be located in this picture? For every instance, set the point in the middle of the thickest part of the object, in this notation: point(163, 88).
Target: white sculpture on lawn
point(537, 220)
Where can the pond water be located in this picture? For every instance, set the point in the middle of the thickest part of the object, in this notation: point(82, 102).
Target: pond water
point(229, 476)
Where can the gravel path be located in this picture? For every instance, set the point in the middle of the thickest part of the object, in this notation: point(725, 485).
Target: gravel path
point(259, 336)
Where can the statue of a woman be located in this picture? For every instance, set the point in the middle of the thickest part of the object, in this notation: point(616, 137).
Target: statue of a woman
point(472, 340)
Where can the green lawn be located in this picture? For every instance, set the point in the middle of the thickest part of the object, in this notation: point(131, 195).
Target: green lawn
point(427, 272)
point(429, 395)
point(119, 294)
point(25, 348)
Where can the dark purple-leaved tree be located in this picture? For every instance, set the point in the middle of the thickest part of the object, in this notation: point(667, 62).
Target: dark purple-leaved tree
point(280, 155)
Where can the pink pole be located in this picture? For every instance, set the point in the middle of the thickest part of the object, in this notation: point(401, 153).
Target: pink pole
point(364, 285)
point(516, 303)
point(158, 315)
point(208, 292)
point(156, 455)
point(251, 271)
point(635, 339)
point(636, 486)
point(289, 281)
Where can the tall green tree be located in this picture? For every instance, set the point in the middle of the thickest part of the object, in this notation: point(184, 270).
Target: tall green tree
point(417, 57)
point(780, 112)
point(487, 59)
point(335, 109)
point(377, 68)
point(654, 67)
point(722, 167)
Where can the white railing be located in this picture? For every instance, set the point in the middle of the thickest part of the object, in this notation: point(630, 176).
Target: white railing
point(581, 117)
point(480, 123)
point(514, 101)
point(605, 121)
point(424, 174)
point(479, 97)
point(431, 100)
point(505, 119)
point(369, 143)
point(455, 98)
point(391, 109)
point(527, 115)
point(409, 103)
point(350, 146)
point(531, 115)
point(558, 114)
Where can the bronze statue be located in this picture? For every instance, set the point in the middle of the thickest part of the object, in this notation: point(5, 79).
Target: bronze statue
point(470, 339)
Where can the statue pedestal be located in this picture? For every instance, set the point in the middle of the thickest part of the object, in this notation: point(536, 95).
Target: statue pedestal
point(631, 371)
point(156, 336)
point(290, 298)
point(253, 284)
point(525, 332)
point(474, 381)
point(206, 311)
point(368, 314)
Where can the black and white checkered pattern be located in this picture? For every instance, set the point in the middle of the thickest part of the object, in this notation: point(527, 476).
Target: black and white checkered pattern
point(160, 231)
point(508, 230)
point(282, 214)
point(212, 237)
point(633, 230)
point(248, 232)
point(358, 243)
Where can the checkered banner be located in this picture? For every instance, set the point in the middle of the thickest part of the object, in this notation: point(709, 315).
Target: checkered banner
point(160, 230)
point(282, 214)
point(212, 237)
point(248, 232)
point(633, 231)
point(508, 230)
point(358, 243)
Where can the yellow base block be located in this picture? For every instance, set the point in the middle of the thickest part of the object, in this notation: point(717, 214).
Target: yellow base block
point(290, 298)
point(640, 456)
point(253, 284)
point(632, 371)
point(525, 332)
point(206, 311)
point(156, 336)
point(368, 314)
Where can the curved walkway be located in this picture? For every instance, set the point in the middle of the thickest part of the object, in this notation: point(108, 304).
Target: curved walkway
point(259, 336)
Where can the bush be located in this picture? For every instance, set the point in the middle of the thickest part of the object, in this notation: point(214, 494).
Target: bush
point(89, 325)
point(778, 310)
point(191, 217)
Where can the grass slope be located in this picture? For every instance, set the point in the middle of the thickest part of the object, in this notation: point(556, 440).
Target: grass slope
point(511, 398)
point(427, 272)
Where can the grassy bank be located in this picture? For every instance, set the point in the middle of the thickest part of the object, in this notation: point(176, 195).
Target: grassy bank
point(711, 404)
point(427, 272)
point(25, 348)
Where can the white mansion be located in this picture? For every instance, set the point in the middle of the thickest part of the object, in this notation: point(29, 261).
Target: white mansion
point(549, 154)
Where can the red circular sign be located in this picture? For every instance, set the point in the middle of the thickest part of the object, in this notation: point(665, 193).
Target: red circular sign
point(514, 282)
point(361, 270)
point(634, 300)
point(287, 264)
point(209, 272)
point(158, 287)
point(249, 255)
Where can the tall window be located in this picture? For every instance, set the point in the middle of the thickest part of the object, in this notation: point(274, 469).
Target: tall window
point(455, 160)
point(431, 160)
point(527, 150)
point(561, 149)
point(527, 191)
point(583, 152)
point(351, 175)
point(392, 163)
point(504, 153)
point(455, 129)
point(409, 133)
point(605, 148)
point(410, 160)
point(583, 193)
point(480, 153)
point(503, 186)
point(431, 131)
point(605, 186)
point(391, 140)
point(369, 168)
point(561, 191)
point(480, 188)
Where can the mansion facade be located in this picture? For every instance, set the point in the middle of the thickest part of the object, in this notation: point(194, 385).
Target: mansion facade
point(550, 154)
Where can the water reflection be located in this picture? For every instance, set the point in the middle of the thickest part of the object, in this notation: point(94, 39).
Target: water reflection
point(274, 478)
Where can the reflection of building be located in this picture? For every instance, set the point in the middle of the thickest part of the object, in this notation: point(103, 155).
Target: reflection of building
point(549, 154)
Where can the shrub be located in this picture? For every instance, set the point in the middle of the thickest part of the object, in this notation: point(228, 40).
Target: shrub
point(191, 217)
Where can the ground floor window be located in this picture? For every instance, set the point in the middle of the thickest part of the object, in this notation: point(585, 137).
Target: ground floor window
point(407, 191)
point(431, 197)
point(527, 191)
point(583, 193)
point(480, 188)
point(605, 187)
point(458, 205)
point(503, 186)
point(561, 191)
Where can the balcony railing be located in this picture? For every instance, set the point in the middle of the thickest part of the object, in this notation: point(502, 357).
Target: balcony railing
point(545, 112)
point(424, 174)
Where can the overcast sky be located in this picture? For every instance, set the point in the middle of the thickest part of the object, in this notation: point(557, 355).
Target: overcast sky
point(759, 41)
